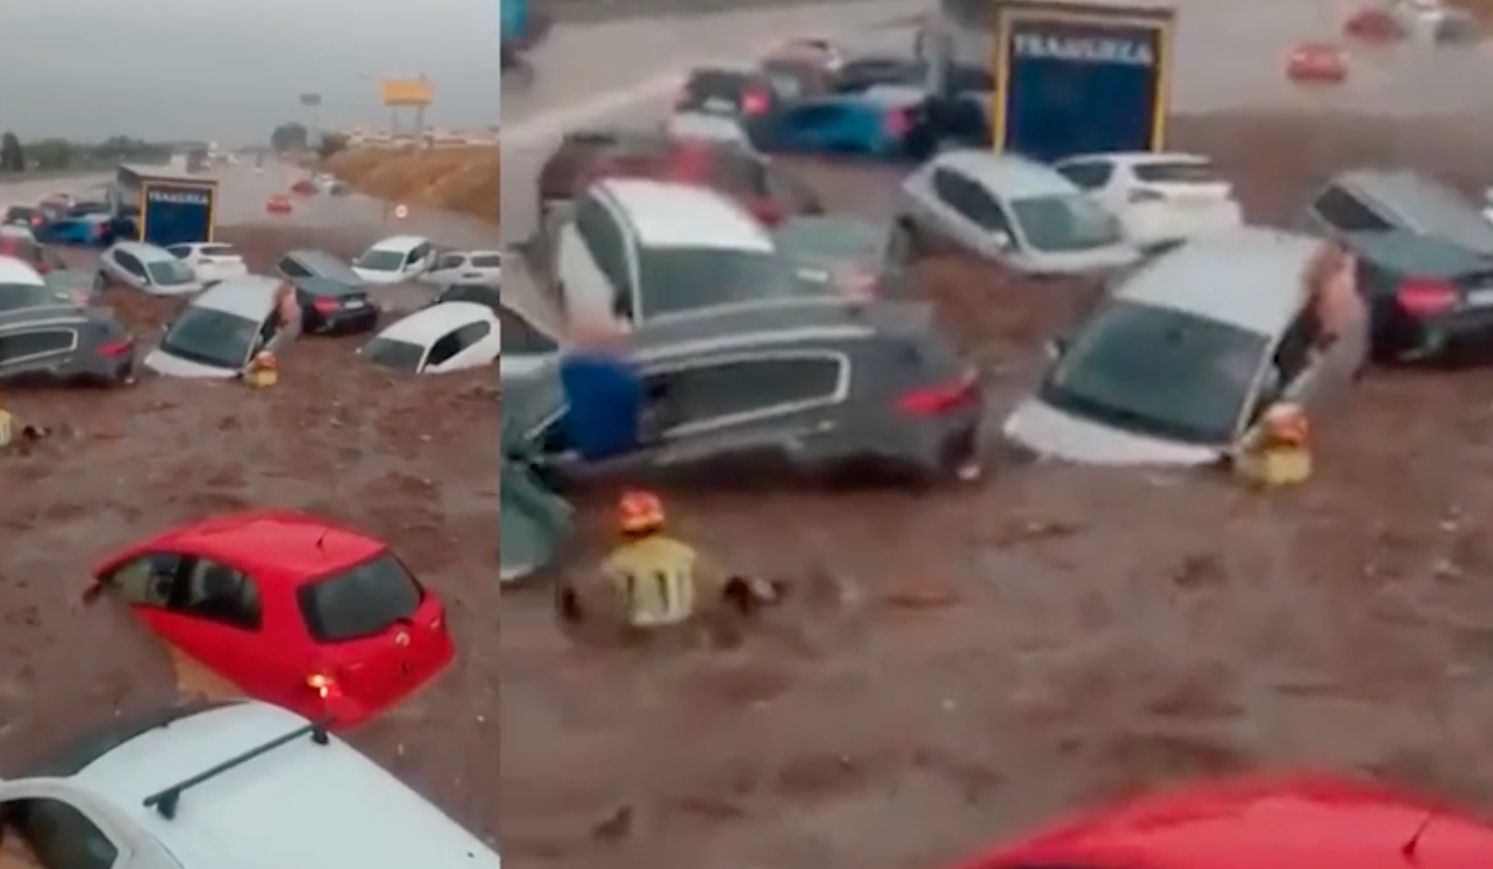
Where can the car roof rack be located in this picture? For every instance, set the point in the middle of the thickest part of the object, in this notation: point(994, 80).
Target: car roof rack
point(165, 802)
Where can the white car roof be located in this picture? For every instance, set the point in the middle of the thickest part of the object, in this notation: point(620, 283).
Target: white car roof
point(699, 125)
point(300, 804)
point(668, 214)
point(1139, 158)
point(250, 296)
point(1250, 277)
point(401, 243)
point(1010, 176)
point(428, 325)
point(145, 252)
point(15, 271)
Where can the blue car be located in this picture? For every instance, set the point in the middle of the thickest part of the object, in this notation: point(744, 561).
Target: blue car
point(885, 121)
point(89, 230)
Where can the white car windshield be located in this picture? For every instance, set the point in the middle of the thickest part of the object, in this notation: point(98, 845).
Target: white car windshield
point(211, 337)
point(1066, 222)
point(379, 260)
point(395, 354)
point(169, 273)
point(1158, 372)
point(676, 279)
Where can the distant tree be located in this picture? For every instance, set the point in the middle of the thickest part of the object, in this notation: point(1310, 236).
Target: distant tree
point(52, 154)
point(12, 155)
point(289, 137)
point(330, 144)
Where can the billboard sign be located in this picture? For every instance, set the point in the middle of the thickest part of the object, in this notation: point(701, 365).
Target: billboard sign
point(406, 91)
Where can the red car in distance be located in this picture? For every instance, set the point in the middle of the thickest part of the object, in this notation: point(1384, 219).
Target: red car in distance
point(1317, 62)
point(279, 203)
point(1280, 822)
point(289, 608)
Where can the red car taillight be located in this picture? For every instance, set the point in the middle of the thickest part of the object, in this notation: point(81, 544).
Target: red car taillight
point(326, 306)
point(325, 686)
point(897, 122)
point(1424, 298)
point(115, 348)
point(43, 268)
point(754, 102)
point(940, 398)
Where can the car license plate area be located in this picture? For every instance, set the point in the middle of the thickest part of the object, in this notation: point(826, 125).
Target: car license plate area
point(354, 304)
point(1480, 298)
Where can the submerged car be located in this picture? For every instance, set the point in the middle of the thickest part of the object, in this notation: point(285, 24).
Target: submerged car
point(1014, 211)
point(219, 330)
point(450, 336)
point(65, 344)
point(92, 230)
point(886, 121)
point(1385, 200)
point(28, 251)
point(810, 385)
point(211, 261)
point(147, 268)
point(1160, 199)
point(466, 265)
point(174, 787)
point(395, 259)
point(292, 609)
point(331, 307)
point(1183, 358)
point(1284, 821)
point(533, 522)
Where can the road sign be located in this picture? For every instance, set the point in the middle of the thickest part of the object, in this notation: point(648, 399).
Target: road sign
point(310, 99)
point(401, 211)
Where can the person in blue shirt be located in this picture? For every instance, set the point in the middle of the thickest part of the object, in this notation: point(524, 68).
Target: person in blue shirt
point(604, 392)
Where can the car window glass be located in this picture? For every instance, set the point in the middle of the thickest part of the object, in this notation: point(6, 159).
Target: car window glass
point(129, 263)
point(180, 251)
point(26, 346)
point(60, 836)
point(487, 261)
point(452, 261)
point(603, 238)
point(360, 602)
point(471, 333)
point(1088, 175)
point(521, 337)
point(292, 268)
point(147, 580)
point(709, 392)
point(443, 349)
point(1346, 213)
point(970, 200)
point(218, 592)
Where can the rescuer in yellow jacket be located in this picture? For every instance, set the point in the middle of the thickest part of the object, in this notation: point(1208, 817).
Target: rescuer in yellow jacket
point(652, 581)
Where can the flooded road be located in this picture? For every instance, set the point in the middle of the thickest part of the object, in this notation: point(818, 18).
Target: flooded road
point(954, 666)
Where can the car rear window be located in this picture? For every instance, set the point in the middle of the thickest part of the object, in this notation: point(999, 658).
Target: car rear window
point(487, 261)
point(1178, 172)
point(677, 279)
point(361, 602)
point(170, 273)
point(395, 354)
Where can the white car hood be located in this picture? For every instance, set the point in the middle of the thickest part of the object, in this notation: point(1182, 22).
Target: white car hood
point(373, 276)
point(1050, 432)
point(162, 362)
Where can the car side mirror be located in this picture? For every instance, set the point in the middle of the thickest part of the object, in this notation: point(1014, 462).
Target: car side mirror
point(1055, 348)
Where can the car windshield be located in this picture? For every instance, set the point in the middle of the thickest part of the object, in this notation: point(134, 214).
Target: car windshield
point(211, 337)
point(361, 602)
point(1158, 372)
point(398, 355)
point(15, 297)
point(379, 260)
point(1065, 222)
point(677, 279)
point(169, 273)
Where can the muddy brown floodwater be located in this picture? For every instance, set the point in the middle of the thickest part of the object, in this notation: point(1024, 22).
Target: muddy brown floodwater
point(410, 460)
point(954, 666)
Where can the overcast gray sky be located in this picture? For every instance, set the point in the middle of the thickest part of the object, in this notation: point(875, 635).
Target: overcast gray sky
point(232, 69)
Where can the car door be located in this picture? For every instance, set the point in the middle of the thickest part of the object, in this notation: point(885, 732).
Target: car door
point(442, 351)
point(36, 350)
point(743, 411)
point(595, 277)
point(48, 825)
point(448, 267)
point(477, 345)
point(419, 259)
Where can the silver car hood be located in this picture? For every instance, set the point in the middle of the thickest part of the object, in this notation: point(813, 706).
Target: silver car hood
point(1054, 433)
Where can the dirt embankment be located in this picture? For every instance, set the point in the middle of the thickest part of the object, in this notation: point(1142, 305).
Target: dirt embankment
point(464, 180)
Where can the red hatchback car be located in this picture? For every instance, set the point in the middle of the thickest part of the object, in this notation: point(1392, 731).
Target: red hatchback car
point(1280, 822)
point(293, 610)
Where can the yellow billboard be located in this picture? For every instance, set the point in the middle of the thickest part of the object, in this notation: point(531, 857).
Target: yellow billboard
point(406, 91)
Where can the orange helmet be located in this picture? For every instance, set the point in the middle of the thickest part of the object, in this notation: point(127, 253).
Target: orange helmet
point(640, 512)
point(1287, 424)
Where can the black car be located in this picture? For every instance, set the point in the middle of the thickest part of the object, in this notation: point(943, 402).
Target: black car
point(65, 344)
point(812, 385)
point(333, 308)
point(470, 291)
point(1429, 298)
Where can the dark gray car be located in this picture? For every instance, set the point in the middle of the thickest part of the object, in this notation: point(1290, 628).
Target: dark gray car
point(306, 263)
point(65, 344)
point(812, 385)
point(1388, 200)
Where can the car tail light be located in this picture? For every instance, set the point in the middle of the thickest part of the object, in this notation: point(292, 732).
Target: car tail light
point(43, 268)
point(115, 348)
point(36, 220)
point(1424, 298)
point(754, 102)
point(896, 121)
point(768, 212)
point(326, 306)
point(941, 397)
point(1143, 195)
point(325, 686)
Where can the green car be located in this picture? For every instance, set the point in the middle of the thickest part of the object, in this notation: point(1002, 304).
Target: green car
point(533, 522)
